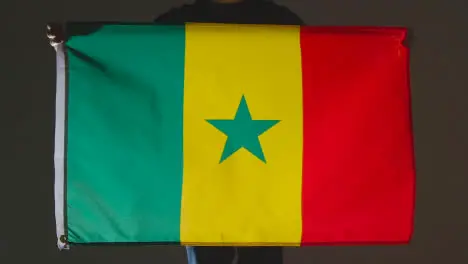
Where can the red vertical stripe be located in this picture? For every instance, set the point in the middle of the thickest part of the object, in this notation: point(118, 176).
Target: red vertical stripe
point(358, 172)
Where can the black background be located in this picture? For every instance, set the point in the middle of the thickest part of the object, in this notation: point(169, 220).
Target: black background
point(439, 71)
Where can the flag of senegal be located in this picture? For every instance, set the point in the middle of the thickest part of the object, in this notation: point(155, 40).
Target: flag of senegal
point(210, 134)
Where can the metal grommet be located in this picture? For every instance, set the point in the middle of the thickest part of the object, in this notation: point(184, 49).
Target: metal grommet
point(63, 239)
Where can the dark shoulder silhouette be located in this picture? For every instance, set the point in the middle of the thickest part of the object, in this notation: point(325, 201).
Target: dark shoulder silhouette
point(248, 12)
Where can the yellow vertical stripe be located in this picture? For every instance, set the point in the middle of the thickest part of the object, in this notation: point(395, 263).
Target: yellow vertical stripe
point(242, 200)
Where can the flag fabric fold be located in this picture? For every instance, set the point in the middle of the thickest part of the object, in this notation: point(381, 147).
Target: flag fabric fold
point(248, 135)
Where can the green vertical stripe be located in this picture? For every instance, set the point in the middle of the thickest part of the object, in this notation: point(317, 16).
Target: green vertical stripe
point(125, 111)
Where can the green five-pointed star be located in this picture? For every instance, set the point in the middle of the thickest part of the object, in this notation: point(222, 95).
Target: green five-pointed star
point(242, 132)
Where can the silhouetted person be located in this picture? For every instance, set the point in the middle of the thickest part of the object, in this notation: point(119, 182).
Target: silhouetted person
point(222, 11)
